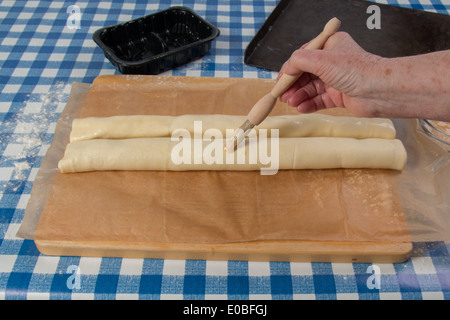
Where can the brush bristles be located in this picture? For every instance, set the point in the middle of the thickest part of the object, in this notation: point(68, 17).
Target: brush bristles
point(239, 136)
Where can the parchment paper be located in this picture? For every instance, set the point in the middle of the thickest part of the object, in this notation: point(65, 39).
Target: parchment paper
point(220, 207)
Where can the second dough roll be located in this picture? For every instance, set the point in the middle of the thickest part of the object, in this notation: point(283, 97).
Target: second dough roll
point(302, 125)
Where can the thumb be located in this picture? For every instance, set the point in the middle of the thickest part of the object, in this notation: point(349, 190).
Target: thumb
point(310, 61)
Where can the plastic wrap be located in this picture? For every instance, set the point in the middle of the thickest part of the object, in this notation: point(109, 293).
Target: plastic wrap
point(220, 207)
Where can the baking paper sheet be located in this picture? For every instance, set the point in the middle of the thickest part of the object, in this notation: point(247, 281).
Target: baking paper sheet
point(221, 207)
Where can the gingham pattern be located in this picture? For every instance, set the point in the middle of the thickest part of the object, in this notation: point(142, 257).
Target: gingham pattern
point(39, 59)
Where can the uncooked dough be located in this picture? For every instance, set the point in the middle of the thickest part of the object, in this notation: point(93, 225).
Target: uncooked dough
point(294, 153)
point(302, 125)
point(307, 141)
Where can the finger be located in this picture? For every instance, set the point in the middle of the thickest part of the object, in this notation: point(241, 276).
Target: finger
point(336, 97)
point(279, 75)
point(319, 102)
point(306, 92)
point(307, 106)
point(324, 101)
point(311, 105)
point(339, 39)
point(302, 60)
point(310, 90)
point(305, 45)
point(303, 80)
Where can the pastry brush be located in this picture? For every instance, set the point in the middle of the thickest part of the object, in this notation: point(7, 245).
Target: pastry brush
point(264, 106)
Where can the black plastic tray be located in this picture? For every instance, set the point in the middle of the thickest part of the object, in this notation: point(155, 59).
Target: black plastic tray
point(403, 31)
point(157, 42)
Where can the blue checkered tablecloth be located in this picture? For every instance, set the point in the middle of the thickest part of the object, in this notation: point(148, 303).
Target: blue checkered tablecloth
point(39, 59)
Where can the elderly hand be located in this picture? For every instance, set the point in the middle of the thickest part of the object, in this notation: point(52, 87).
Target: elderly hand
point(345, 75)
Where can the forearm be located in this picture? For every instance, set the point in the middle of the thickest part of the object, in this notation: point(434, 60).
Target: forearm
point(369, 85)
point(416, 86)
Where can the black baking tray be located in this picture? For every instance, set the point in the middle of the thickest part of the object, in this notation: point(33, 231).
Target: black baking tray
point(157, 42)
point(403, 32)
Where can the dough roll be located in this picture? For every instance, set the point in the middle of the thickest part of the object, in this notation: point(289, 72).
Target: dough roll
point(258, 154)
point(302, 125)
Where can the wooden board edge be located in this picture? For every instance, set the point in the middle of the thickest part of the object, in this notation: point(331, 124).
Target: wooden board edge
point(286, 250)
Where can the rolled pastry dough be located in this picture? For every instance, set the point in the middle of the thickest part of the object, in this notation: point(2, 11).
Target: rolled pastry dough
point(294, 153)
point(302, 125)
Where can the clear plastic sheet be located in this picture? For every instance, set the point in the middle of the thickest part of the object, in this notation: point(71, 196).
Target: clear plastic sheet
point(43, 181)
point(220, 207)
point(424, 184)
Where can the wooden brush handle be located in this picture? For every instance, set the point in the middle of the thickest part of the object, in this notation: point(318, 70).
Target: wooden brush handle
point(317, 43)
point(265, 105)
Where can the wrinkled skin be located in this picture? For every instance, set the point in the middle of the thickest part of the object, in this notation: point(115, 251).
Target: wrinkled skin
point(344, 75)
